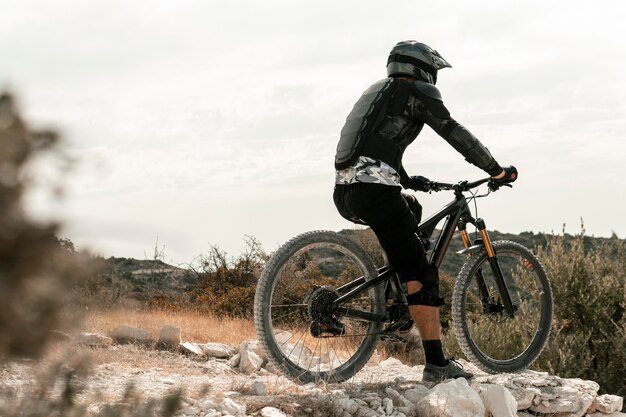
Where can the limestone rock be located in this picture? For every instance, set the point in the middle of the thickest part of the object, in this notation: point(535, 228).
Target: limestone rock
point(348, 405)
point(272, 412)
point(234, 361)
point(207, 404)
point(414, 395)
point(249, 361)
point(453, 398)
point(132, 335)
point(498, 400)
point(255, 346)
point(232, 408)
point(390, 362)
point(524, 396)
point(608, 403)
point(571, 399)
point(170, 337)
point(193, 348)
point(615, 414)
point(258, 388)
point(93, 340)
point(216, 350)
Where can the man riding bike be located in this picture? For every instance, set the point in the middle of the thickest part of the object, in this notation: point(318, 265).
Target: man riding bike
point(370, 176)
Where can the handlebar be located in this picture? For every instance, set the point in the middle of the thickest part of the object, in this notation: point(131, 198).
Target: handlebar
point(463, 186)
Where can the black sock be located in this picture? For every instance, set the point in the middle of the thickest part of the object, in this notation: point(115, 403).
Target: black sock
point(434, 352)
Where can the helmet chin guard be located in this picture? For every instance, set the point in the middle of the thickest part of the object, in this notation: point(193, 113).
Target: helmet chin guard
point(415, 59)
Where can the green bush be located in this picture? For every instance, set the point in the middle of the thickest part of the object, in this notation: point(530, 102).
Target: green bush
point(225, 286)
point(589, 329)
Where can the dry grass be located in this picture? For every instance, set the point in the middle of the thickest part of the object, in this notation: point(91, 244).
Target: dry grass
point(196, 327)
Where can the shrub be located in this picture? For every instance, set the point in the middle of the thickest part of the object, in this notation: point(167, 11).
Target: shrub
point(225, 286)
point(37, 277)
point(35, 274)
point(589, 328)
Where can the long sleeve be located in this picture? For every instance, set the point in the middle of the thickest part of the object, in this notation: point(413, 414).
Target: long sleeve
point(430, 110)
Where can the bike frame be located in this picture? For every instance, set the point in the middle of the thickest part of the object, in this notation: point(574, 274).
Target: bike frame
point(457, 215)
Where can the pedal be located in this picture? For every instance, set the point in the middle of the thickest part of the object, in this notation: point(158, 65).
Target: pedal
point(392, 338)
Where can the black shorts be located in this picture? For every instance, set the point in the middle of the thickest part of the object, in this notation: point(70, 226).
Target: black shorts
point(393, 216)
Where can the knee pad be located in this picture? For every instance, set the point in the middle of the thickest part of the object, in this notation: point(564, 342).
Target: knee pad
point(429, 294)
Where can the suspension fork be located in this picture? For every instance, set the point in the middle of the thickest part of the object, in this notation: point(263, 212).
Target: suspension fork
point(495, 269)
point(480, 279)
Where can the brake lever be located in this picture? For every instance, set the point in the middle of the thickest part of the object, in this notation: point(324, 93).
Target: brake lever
point(433, 187)
point(494, 187)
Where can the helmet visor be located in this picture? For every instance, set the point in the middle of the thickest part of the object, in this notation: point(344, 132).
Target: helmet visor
point(439, 62)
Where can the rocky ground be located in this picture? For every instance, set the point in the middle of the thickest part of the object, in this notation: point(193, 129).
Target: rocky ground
point(218, 380)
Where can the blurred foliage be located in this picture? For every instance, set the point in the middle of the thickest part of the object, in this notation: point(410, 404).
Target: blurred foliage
point(39, 275)
point(35, 272)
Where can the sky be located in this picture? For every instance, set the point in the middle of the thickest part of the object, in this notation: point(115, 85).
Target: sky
point(197, 123)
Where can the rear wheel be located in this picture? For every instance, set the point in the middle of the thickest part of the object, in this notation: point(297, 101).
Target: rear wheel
point(486, 334)
point(301, 337)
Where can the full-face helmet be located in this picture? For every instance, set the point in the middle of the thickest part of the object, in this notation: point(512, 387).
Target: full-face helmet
point(415, 59)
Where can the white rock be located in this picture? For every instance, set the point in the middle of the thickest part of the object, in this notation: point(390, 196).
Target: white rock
point(414, 395)
point(453, 398)
point(272, 412)
point(348, 405)
point(234, 361)
point(524, 396)
point(249, 361)
point(498, 401)
point(213, 413)
point(231, 407)
point(170, 337)
point(608, 403)
point(254, 346)
point(134, 335)
point(615, 414)
point(191, 411)
point(258, 388)
point(565, 399)
point(189, 347)
point(93, 340)
point(395, 396)
point(388, 406)
point(207, 405)
point(216, 350)
point(390, 362)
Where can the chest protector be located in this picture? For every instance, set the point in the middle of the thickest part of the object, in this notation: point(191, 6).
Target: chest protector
point(387, 97)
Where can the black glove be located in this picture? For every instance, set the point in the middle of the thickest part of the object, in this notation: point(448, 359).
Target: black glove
point(510, 175)
point(419, 183)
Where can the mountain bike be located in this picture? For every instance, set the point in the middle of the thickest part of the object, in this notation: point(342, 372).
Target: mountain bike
point(321, 305)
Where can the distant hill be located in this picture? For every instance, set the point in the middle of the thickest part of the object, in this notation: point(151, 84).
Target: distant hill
point(452, 262)
point(149, 276)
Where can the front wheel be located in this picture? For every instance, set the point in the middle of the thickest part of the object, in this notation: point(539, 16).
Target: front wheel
point(488, 336)
point(298, 330)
